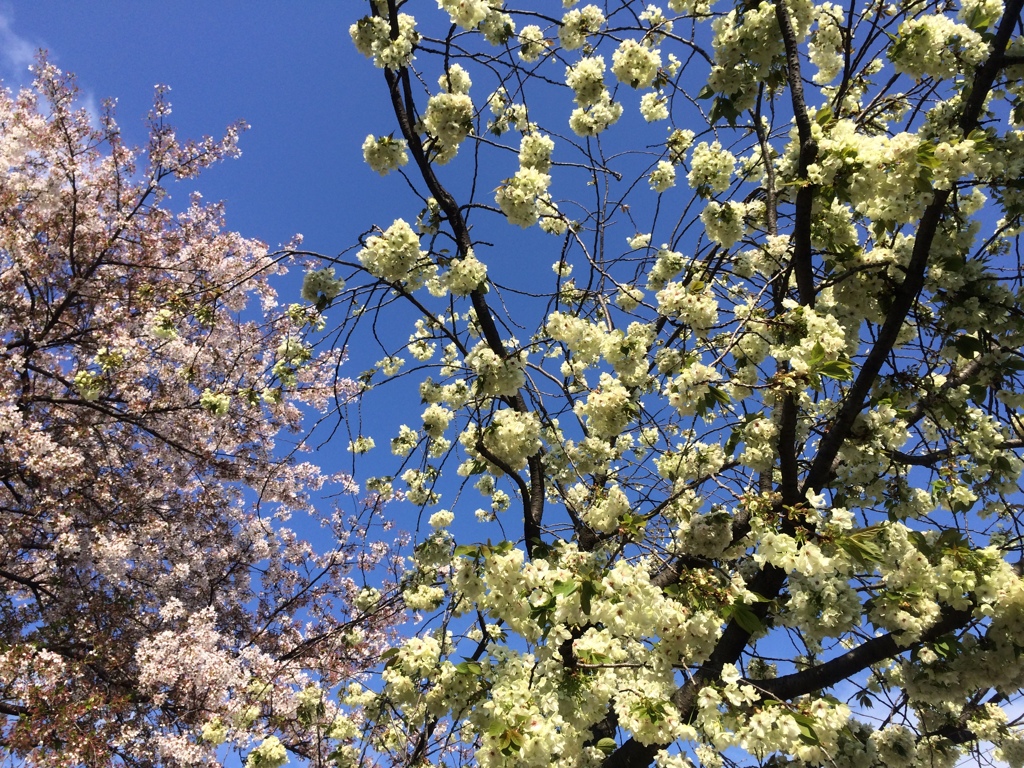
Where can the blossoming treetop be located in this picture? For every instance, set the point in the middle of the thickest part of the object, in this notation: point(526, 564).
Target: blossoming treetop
point(149, 587)
point(749, 455)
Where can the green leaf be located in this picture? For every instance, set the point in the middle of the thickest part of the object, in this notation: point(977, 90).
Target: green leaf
point(607, 746)
point(969, 347)
point(496, 728)
point(469, 667)
point(589, 590)
point(926, 156)
point(744, 617)
point(564, 588)
point(724, 108)
point(807, 734)
point(862, 545)
point(817, 355)
point(840, 370)
point(734, 440)
point(505, 742)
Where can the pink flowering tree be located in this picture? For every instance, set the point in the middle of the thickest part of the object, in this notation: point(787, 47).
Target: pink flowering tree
point(152, 604)
point(715, 315)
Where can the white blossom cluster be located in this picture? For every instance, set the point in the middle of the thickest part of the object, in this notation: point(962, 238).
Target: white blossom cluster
point(663, 177)
point(711, 168)
point(449, 119)
point(518, 197)
point(724, 222)
point(825, 48)
point(936, 46)
point(578, 24)
point(321, 285)
point(511, 437)
point(395, 256)
point(595, 110)
point(686, 391)
point(466, 13)
point(583, 338)
point(384, 154)
point(524, 198)
point(608, 408)
point(654, 106)
point(455, 79)
point(464, 275)
point(506, 114)
point(497, 375)
point(634, 64)
point(697, 308)
point(658, 25)
point(531, 43)
point(747, 45)
point(372, 38)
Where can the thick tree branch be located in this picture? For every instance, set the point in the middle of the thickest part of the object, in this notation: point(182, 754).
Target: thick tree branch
point(402, 102)
point(907, 292)
point(872, 651)
point(803, 265)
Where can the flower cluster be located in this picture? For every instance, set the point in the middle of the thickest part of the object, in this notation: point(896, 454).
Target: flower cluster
point(531, 43)
point(519, 196)
point(506, 114)
point(436, 419)
point(695, 307)
point(687, 391)
point(271, 753)
point(595, 111)
point(455, 80)
point(449, 119)
point(372, 38)
point(663, 177)
point(634, 64)
point(586, 79)
point(724, 223)
point(384, 154)
point(395, 256)
point(217, 403)
point(466, 13)
point(497, 27)
point(578, 24)
point(711, 169)
point(511, 438)
point(654, 106)
point(535, 152)
point(464, 275)
point(604, 513)
point(497, 375)
point(321, 286)
point(608, 408)
point(936, 46)
point(825, 49)
point(361, 444)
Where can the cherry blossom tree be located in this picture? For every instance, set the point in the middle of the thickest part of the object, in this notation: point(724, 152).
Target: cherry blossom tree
point(153, 605)
point(717, 328)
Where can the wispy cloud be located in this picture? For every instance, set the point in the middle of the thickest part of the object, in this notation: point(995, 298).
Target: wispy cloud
point(16, 52)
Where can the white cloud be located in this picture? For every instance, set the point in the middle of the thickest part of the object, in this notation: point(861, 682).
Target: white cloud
point(16, 52)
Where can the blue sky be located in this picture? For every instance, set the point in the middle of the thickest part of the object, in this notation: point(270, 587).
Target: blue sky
point(288, 69)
